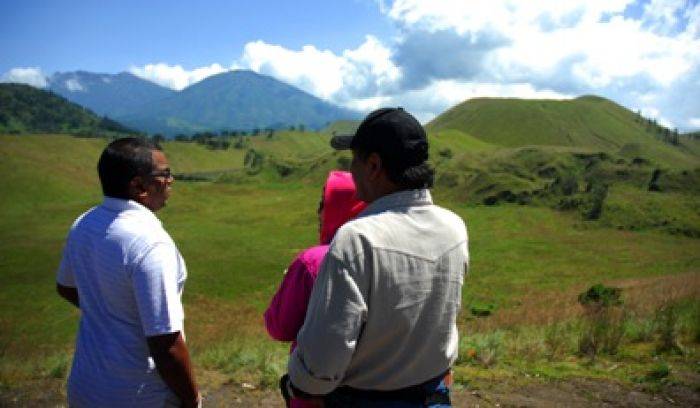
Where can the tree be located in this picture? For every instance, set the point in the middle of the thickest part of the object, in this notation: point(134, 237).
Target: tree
point(157, 138)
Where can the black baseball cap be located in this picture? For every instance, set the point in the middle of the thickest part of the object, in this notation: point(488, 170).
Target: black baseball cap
point(393, 133)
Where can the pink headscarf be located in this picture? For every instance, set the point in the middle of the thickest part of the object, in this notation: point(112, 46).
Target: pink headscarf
point(340, 204)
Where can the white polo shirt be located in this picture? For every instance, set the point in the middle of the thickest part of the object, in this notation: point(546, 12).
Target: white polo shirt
point(129, 276)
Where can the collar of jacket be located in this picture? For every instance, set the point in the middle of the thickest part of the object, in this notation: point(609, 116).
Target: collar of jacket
point(404, 198)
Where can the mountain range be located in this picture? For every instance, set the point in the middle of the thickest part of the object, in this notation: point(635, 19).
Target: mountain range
point(234, 100)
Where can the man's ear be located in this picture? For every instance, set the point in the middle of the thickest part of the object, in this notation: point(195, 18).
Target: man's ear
point(374, 166)
point(137, 188)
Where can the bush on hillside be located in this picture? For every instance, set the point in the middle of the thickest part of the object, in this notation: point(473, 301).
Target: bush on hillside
point(667, 317)
point(593, 205)
point(253, 161)
point(604, 321)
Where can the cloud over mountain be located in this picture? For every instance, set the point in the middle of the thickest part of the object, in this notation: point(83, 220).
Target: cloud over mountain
point(175, 76)
point(636, 52)
point(30, 76)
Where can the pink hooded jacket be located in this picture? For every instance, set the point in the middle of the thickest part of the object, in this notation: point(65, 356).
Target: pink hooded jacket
point(285, 315)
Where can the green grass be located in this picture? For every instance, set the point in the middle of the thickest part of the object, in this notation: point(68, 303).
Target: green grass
point(237, 237)
point(342, 127)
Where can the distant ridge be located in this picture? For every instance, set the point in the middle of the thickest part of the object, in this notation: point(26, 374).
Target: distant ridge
point(113, 95)
point(25, 109)
point(587, 121)
point(236, 100)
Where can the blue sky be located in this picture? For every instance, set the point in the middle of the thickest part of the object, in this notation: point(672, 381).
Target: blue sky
point(362, 54)
point(109, 36)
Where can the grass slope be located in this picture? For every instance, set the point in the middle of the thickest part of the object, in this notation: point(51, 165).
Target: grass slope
point(585, 122)
point(238, 237)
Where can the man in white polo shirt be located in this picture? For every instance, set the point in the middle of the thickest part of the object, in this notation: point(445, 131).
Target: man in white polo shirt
point(125, 274)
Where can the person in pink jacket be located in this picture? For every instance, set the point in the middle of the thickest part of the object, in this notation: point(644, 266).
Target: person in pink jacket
point(285, 315)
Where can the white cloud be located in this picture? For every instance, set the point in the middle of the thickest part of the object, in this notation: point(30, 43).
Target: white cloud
point(694, 122)
point(74, 85)
point(30, 76)
point(655, 113)
point(315, 71)
point(362, 72)
point(571, 47)
point(427, 103)
point(175, 76)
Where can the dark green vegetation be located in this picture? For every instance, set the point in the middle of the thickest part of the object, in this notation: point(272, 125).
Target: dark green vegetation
point(587, 155)
point(236, 100)
point(572, 219)
point(26, 109)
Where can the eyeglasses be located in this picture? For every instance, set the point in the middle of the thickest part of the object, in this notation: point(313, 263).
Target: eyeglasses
point(163, 173)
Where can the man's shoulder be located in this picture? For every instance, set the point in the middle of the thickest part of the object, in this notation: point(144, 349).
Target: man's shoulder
point(133, 229)
point(84, 218)
point(448, 215)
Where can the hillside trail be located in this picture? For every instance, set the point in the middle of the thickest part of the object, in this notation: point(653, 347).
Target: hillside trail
point(568, 393)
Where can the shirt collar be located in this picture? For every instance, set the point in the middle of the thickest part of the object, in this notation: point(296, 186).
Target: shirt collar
point(120, 204)
point(404, 198)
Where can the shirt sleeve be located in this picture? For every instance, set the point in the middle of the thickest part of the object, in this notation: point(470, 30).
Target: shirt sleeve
point(65, 276)
point(155, 283)
point(285, 315)
point(326, 342)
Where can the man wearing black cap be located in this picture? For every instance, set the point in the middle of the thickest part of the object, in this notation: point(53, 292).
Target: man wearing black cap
point(381, 329)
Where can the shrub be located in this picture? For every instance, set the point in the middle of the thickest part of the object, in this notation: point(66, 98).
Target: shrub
point(600, 296)
point(482, 309)
point(659, 372)
point(641, 330)
point(445, 153)
point(667, 323)
point(483, 349)
point(593, 207)
point(556, 339)
point(604, 321)
point(253, 161)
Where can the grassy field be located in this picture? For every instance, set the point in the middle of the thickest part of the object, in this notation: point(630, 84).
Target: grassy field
point(528, 263)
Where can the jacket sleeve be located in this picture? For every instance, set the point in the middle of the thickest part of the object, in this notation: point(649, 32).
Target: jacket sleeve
point(326, 343)
point(285, 315)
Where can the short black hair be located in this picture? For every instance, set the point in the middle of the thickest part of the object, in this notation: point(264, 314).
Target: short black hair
point(406, 177)
point(121, 161)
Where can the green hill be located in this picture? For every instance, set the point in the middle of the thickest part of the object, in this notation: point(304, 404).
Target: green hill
point(342, 127)
point(241, 100)
point(24, 109)
point(588, 121)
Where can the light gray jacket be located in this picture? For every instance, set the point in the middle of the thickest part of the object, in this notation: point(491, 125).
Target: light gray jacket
point(382, 314)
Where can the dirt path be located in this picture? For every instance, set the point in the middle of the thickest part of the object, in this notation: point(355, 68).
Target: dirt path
point(570, 393)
